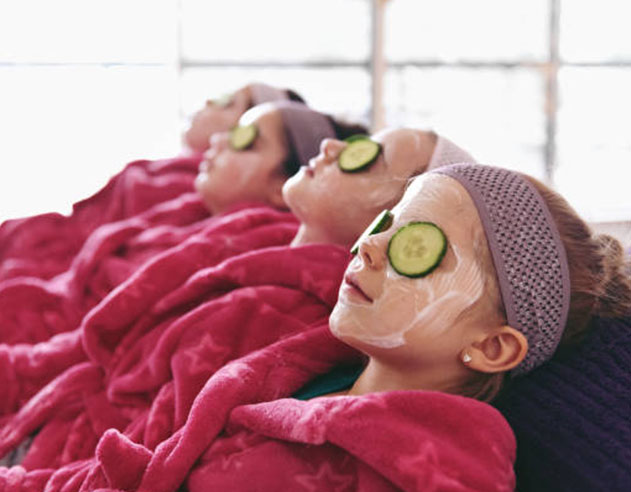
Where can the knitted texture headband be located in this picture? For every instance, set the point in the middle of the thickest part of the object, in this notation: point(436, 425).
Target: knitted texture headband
point(262, 93)
point(528, 254)
point(305, 129)
point(446, 152)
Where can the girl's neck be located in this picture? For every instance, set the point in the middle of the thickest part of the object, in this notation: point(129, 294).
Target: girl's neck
point(309, 235)
point(379, 376)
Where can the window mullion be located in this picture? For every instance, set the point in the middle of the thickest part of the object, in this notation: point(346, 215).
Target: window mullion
point(552, 91)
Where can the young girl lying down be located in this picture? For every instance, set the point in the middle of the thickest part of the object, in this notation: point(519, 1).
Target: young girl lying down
point(45, 245)
point(223, 113)
point(476, 275)
point(479, 274)
point(185, 305)
point(288, 134)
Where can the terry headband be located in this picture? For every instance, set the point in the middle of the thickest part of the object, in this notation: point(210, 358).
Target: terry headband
point(446, 152)
point(262, 93)
point(305, 129)
point(527, 252)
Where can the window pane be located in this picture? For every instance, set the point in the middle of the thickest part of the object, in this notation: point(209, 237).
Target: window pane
point(276, 30)
point(44, 31)
point(595, 31)
point(498, 115)
point(467, 30)
point(65, 131)
point(341, 91)
point(594, 149)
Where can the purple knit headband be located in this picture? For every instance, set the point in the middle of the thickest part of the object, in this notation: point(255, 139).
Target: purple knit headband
point(528, 255)
point(305, 129)
point(262, 93)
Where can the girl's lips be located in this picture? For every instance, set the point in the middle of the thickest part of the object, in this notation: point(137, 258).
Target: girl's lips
point(309, 172)
point(350, 282)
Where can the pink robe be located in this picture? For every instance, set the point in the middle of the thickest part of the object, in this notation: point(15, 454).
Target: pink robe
point(45, 245)
point(32, 309)
point(25, 369)
point(240, 432)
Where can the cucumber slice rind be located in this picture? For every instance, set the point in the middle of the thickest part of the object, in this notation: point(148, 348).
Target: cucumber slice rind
point(360, 153)
point(241, 137)
point(426, 261)
point(379, 224)
point(358, 136)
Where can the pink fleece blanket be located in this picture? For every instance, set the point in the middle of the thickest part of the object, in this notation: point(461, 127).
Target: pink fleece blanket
point(45, 245)
point(32, 309)
point(240, 432)
point(25, 368)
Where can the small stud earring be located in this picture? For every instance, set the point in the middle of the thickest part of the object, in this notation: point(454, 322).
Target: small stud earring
point(466, 358)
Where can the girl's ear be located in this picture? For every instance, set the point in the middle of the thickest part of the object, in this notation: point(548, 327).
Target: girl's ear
point(275, 191)
point(499, 351)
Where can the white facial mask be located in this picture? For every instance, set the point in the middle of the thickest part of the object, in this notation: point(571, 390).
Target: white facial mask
point(432, 303)
point(379, 191)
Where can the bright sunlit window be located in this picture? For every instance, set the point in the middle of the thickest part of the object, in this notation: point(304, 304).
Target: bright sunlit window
point(86, 86)
point(540, 86)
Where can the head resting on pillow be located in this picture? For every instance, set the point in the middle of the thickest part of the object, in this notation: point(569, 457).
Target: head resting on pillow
point(481, 272)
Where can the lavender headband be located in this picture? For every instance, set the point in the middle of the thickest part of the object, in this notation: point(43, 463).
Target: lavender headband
point(528, 255)
point(305, 129)
point(262, 93)
point(447, 152)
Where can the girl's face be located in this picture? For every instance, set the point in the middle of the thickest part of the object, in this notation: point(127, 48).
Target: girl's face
point(415, 319)
point(227, 176)
point(215, 116)
point(341, 205)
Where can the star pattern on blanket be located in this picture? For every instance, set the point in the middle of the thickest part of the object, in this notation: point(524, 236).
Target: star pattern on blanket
point(205, 355)
point(240, 442)
point(335, 482)
point(421, 467)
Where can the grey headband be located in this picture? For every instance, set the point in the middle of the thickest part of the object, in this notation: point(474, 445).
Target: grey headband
point(262, 93)
point(305, 129)
point(528, 255)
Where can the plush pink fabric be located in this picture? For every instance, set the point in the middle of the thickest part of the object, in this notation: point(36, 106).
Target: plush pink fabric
point(33, 309)
point(24, 369)
point(45, 245)
point(239, 433)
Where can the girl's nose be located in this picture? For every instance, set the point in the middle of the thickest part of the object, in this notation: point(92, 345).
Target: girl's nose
point(331, 148)
point(372, 252)
point(218, 140)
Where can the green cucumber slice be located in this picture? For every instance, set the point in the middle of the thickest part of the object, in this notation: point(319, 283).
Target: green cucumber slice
point(416, 249)
point(380, 224)
point(360, 153)
point(359, 136)
point(241, 137)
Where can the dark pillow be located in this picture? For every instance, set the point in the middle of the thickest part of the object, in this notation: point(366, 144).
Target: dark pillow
point(572, 416)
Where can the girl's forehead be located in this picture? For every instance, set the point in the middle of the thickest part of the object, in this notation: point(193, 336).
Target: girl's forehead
point(432, 197)
point(401, 150)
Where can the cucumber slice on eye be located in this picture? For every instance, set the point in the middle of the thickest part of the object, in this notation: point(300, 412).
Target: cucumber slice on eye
point(382, 222)
point(416, 249)
point(241, 137)
point(360, 153)
point(359, 136)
